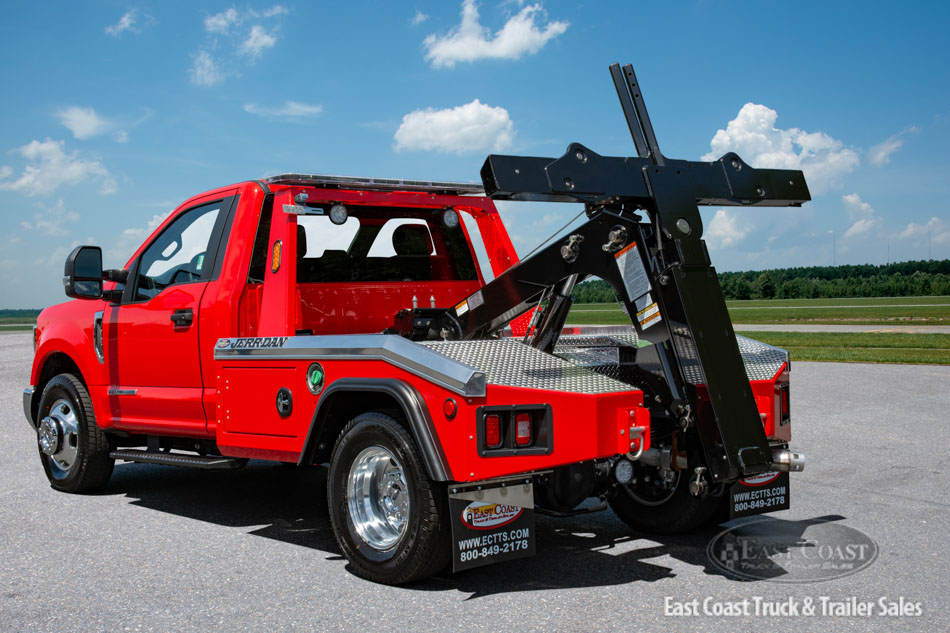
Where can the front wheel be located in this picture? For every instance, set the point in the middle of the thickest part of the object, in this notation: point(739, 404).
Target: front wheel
point(389, 519)
point(664, 505)
point(74, 451)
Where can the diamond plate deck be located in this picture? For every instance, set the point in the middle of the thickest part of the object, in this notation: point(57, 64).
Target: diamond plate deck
point(584, 363)
point(511, 363)
point(761, 360)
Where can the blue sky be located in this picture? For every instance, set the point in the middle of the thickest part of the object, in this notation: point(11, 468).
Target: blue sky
point(114, 113)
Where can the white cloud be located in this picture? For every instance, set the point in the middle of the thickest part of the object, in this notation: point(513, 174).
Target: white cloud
point(277, 9)
point(125, 23)
point(470, 41)
point(204, 70)
point(418, 18)
point(471, 127)
point(880, 154)
point(56, 257)
point(86, 123)
point(290, 110)
point(861, 214)
point(262, 35)
point(753, 135)
point(83, 122)
point(50, 167)
point(725, 231)
point(5, 172)
point(936, 229)
point(257, 40)
point(51, 221)
point(222, 22)
point(130, 239)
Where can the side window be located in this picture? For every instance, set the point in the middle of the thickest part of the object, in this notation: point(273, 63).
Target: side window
point(177, 256)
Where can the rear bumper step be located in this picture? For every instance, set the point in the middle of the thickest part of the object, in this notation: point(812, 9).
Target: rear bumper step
point(177, 459)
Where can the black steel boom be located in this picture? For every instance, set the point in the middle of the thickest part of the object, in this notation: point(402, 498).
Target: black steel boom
point(660, 271)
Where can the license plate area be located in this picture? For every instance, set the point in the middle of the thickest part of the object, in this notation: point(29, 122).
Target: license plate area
point(491, 522)
point(767, 492)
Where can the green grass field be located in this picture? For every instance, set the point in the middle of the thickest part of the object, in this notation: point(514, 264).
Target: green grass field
point(860, 347)
point(824, 346)
point(864, 311)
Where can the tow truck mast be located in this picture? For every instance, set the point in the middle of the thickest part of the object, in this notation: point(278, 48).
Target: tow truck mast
point(660, 269)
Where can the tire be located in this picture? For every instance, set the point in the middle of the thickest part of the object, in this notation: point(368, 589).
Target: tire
point(673, 512)
point(400, 534)
point(76, 456)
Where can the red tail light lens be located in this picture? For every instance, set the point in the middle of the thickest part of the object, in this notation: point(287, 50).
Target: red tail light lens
point(523, 429)
point(492, 431)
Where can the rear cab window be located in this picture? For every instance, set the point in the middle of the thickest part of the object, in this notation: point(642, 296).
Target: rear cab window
point(382, 244)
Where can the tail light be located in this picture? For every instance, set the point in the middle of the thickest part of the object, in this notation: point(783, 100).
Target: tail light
point(523, 429)
point(514, 430)
point(781, 422)
point(492, 431)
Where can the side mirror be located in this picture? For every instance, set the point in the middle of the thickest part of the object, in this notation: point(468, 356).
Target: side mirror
point(82, 277)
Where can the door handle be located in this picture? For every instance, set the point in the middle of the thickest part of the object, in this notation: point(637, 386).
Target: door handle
point(182, 318)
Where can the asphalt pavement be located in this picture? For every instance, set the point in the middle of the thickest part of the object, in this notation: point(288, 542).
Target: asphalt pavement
point(169, 549)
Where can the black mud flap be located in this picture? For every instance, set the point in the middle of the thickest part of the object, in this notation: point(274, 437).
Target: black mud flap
point(767, 492)
point(489, 526)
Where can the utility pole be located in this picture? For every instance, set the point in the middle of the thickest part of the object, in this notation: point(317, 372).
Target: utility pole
point(834, 249)
point(930, 229)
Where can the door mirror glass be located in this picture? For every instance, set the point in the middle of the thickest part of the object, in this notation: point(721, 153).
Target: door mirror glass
point(82, 276)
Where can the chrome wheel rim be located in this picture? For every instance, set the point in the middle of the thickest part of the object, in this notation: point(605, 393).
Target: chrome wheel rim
point(58, 437)
point(378, 498)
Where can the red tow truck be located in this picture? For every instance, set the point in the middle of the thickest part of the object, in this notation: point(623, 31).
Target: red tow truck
point(388, 328)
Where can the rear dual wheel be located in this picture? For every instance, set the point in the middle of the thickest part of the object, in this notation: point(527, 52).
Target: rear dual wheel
point(389, 519)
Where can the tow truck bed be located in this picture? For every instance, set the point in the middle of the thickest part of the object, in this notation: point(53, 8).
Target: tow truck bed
point(581, 363)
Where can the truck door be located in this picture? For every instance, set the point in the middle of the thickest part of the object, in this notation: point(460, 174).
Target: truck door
point(155, 368)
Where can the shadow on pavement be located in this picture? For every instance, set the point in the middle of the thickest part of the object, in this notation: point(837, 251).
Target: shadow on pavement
point(291, 504)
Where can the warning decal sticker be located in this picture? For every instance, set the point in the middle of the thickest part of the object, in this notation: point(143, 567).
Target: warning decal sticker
point(648, 312)
point(632, 272)
point(476, 300)
point(637, 284)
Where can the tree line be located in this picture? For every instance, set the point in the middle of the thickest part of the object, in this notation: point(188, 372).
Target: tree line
point(900, 279)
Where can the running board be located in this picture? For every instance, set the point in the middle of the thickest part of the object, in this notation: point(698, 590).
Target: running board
point(178, 459)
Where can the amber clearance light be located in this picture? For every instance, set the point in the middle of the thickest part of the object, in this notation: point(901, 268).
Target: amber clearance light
point(275, 257)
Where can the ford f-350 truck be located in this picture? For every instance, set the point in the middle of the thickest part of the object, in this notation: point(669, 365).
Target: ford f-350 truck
point(387, 328)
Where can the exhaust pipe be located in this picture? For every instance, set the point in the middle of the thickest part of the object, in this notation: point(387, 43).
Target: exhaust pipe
point(788, 461)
